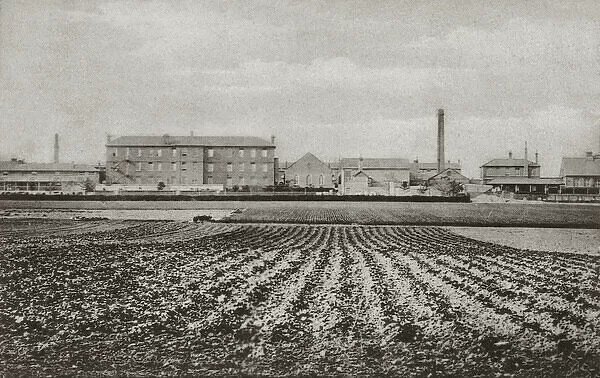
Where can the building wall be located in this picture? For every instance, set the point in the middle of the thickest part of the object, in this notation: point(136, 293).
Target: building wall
point(190, 165)
point(66, 182)
point(516, 171)
point(317, 176)
point(582, 181)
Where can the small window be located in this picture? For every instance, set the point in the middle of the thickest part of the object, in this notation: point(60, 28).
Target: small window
point(241, 152)
point(321, 180)
point(253, 167)
point(150, 166)
point(183, 166)
point(159, 152)
point(173, 166)
point(253, 153)
point(242, 167)
point(174, 152)
point(139, 167)
point(210, 167)
point(211, 152)
point(265, 167)
point(297, 180)
point(264, 153)
point(159, 167)
point(184, 152)
point(229, 167)
point(139, 152)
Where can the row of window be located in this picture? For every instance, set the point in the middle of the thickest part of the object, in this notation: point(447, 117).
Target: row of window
point(185, 151)
point(241, 167)
point(583, 182)
point(158, 166)
point(241, 181)
point(194, 166)
point(512, 171)
point(308, 180)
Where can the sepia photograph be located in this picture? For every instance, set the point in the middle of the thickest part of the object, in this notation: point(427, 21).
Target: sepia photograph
point(283, 188)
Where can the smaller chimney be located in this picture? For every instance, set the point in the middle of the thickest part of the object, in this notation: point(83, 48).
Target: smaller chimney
point(273, 139)
point(360, 162)
point(536, 156)
point(510, 154)
point(56, 148)
point(526, 164)
point(108, 138)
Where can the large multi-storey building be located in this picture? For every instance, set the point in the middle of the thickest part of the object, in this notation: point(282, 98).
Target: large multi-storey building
point(190, 161)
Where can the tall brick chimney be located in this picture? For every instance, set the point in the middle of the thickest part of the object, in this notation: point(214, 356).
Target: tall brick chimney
point(526, 161)
point(440, 141)
point(56, 148)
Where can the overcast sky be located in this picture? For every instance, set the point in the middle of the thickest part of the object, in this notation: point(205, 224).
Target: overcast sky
point(336, 78)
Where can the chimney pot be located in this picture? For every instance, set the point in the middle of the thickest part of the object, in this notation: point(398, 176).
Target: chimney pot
point(273, 139)
point(510, 154)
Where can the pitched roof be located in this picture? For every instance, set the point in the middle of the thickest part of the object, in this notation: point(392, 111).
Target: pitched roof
point(308, 158)
point(448, 172)
point(580, 166)
point(375, 163)
point(420, 165)
point(510, 163)
point(8, 166)
point(521, 180)
point(215, 141)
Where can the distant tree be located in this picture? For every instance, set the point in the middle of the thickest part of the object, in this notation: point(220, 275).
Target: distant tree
point(161, 185)
point(449, 187)
point(89, 185)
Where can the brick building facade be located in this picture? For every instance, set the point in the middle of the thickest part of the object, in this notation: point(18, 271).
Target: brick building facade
point(309, 172)
point(190, 161)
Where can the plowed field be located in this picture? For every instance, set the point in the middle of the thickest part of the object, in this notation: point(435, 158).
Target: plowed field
point(117, 297)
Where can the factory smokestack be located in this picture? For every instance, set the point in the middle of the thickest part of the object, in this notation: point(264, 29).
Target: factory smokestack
point(440, 144)
point(56, 148)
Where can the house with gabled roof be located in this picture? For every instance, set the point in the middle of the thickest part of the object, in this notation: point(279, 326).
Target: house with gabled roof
point(373, 175)
point(309, 172)
point(510, 167)
point(581, 175)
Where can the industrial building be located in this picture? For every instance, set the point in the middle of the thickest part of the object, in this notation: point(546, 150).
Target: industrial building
point(195, 161)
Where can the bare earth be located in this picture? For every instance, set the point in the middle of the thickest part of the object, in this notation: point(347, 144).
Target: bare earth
point(541, 239)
